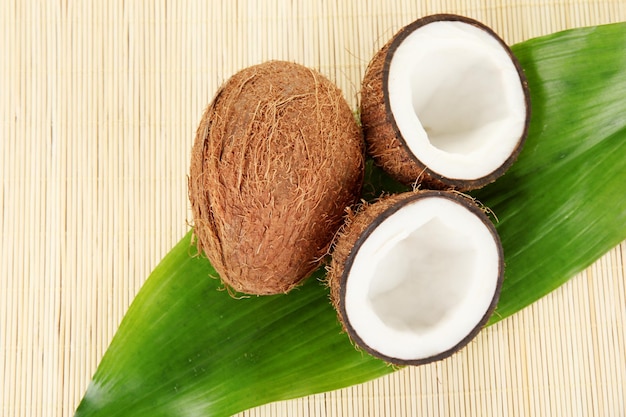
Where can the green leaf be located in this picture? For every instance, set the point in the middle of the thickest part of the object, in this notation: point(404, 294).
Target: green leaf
point(563, 204)
point(186, 348)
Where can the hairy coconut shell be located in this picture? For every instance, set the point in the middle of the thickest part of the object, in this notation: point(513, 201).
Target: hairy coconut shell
point(368, 216)
point(352, 230)
point(384, 141)
point(278, 156)
point(358, 227)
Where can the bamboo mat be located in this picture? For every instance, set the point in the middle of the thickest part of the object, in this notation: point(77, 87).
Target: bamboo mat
point(99, 102)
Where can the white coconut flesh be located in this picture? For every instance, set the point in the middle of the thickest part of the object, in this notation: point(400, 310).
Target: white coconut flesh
point(423, 279)
point(457, 99)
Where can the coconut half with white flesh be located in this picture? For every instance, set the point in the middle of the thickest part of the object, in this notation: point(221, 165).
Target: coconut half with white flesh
point(415, 276)
point(445, 103)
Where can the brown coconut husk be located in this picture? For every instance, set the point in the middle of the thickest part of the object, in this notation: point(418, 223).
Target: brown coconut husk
point(384, 141)
point(381, 134)
point(345, 244)
point(278, 156)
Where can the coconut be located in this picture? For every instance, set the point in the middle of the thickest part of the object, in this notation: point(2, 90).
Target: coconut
point(445, 103)
point(277, 158)
point(415, 276)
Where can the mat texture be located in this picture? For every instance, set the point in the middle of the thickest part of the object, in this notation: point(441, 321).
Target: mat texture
point(99, 102)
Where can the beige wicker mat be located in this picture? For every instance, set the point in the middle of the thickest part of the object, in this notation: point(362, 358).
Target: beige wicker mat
point(99, 101)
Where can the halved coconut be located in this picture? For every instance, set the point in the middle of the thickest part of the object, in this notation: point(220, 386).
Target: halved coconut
point(415, 276)
point(445, 103)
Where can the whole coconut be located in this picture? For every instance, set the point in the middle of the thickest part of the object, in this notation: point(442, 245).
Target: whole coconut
point(277, 159)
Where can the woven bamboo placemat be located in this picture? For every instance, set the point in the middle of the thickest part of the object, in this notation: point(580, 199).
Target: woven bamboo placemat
point(99, 102)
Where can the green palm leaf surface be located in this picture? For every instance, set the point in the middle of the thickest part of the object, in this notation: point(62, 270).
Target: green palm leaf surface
point(185, 348)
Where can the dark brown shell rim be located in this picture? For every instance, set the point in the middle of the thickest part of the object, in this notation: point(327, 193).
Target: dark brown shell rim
point(452, 196)
point(397, 41)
